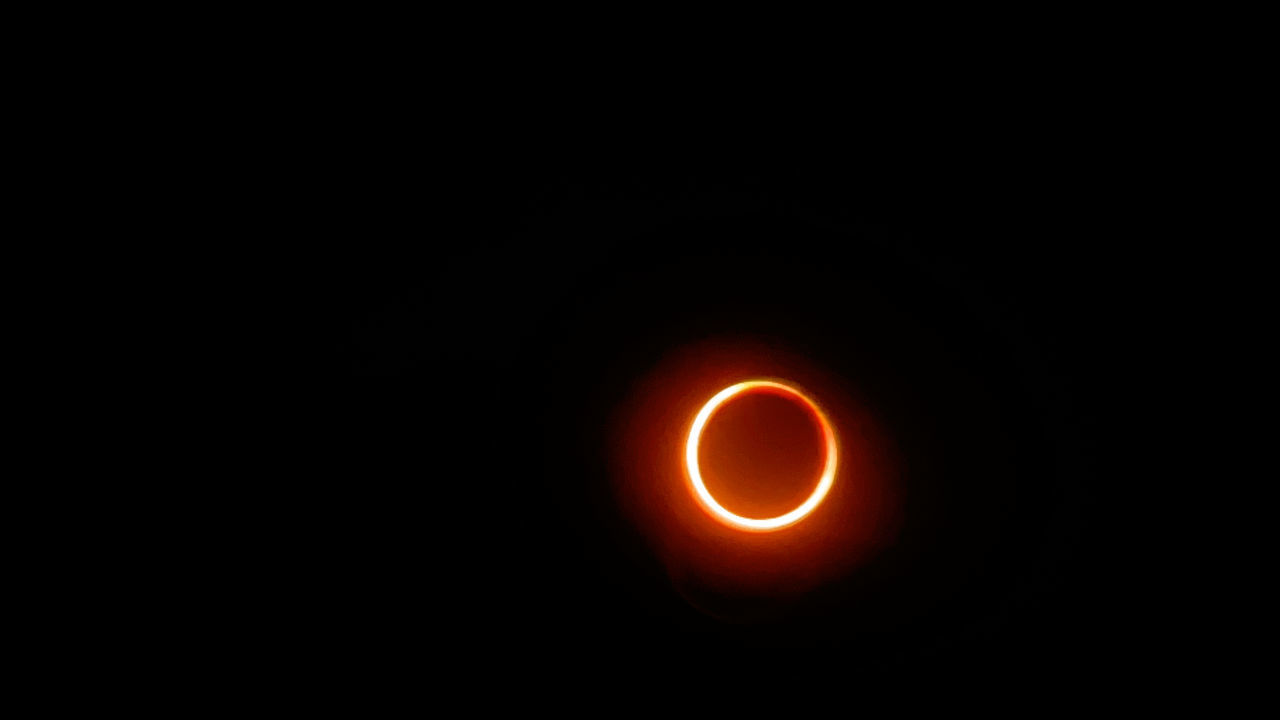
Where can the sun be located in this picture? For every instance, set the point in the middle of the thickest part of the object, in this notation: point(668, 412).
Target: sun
point(718, 511)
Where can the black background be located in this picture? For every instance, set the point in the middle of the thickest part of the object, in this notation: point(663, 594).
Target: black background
point(495, 316)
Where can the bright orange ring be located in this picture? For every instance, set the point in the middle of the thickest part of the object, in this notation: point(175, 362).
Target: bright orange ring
point(755, 524)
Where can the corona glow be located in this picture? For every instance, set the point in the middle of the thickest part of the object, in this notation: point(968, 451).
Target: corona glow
point(717, 510)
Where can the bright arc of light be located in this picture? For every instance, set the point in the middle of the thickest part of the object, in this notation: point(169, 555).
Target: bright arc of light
point(757, 524)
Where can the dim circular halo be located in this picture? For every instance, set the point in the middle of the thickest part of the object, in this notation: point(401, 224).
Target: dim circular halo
point(758, 524)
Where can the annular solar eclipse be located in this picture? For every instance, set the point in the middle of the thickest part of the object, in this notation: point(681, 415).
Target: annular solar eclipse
point(715, 508)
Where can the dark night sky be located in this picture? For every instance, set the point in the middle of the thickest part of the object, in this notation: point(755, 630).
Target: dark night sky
point(496, 315)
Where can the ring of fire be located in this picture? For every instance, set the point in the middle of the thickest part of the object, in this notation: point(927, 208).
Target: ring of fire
point(758, 524)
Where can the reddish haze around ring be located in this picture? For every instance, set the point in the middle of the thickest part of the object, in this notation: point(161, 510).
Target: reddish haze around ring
point(760, 455)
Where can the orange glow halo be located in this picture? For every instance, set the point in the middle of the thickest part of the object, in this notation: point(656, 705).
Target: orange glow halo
point(717, 510)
